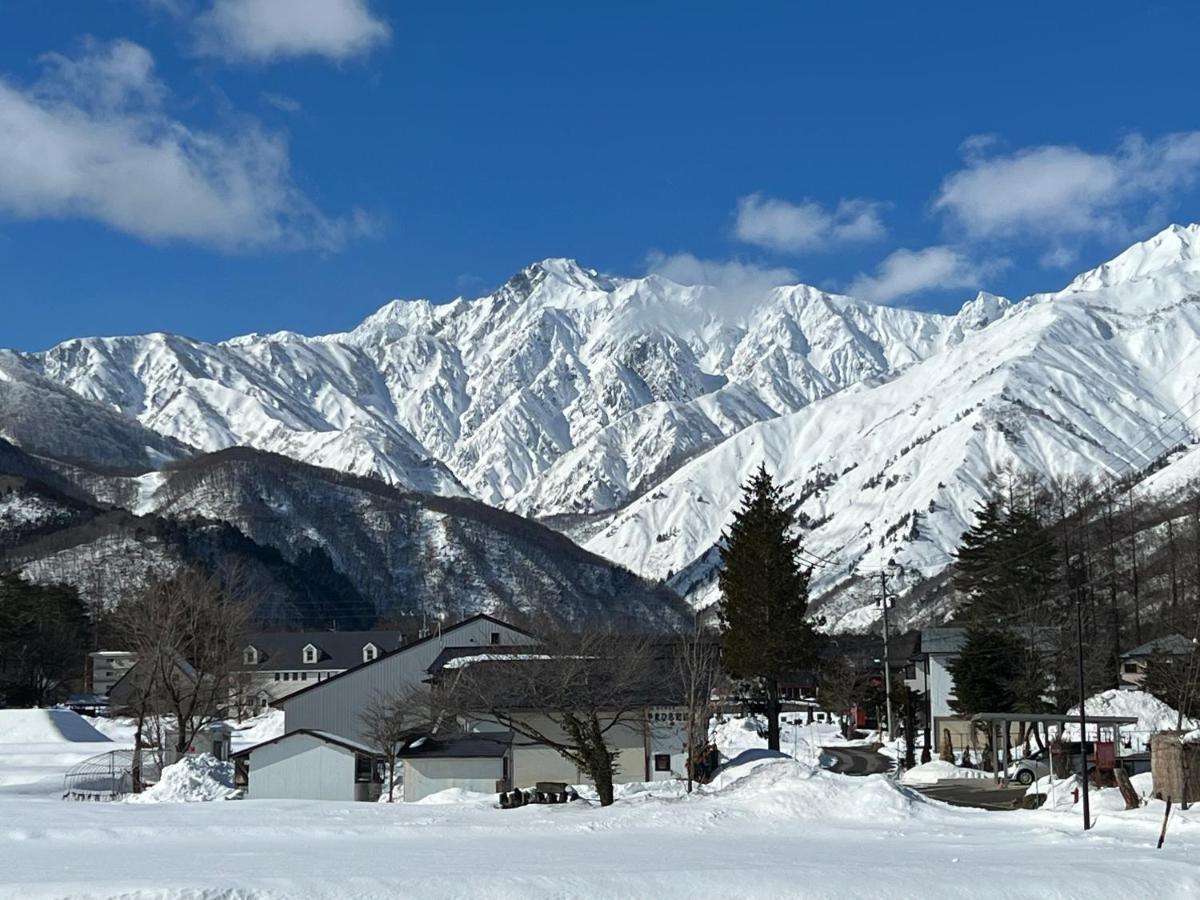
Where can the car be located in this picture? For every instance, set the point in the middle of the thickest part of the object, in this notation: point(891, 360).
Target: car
point(1030, 768)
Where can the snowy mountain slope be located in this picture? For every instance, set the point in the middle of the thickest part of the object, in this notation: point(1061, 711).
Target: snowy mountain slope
point(41, 416)
point(1086, 380)
point(564, 391)
point(636, 406)
point(325, 548)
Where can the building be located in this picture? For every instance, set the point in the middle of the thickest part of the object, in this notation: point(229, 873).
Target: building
point(1134, 662)
point(335, 704)
point(930, 674)
point(109, 667)
point(649, 739)
point(310, 765)
point(276, 664)
point(480, 762)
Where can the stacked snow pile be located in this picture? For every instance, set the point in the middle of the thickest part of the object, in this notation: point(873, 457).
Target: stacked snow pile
point(46, 726)
point(1152, 714)
point(785, 788)
point(937, 769)
point(193, 779)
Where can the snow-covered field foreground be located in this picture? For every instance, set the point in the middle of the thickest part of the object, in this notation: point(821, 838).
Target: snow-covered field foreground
point(778, 829)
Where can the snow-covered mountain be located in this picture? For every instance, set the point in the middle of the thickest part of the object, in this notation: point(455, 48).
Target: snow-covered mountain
point(627, 411)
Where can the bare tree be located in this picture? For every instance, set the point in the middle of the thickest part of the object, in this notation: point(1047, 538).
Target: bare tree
point(698, 668)
point(388, 722)
point(572, 693)
point(188, 631)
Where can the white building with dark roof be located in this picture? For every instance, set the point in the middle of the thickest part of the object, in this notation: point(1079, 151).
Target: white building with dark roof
point(276, 664)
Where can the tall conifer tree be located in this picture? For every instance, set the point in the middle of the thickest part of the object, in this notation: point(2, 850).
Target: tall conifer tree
point(764, 596)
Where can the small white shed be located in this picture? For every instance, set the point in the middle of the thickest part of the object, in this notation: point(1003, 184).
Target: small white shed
point(310, 765)
point(473, 762)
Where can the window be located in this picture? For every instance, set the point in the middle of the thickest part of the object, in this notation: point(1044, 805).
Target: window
point(662, 762)
point(364, 770)
point(310, 654)
point(304, 676)
point(276, 676)
point(1131, 668)
point(370, 651)
point(250, 656)
point(495, 637)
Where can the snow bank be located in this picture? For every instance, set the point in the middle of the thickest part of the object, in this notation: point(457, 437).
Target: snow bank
point(1152, 714)
point(1062, 794)
point(790, 789)
point(937, 769)
point(456, 795)
point(46, 726)
point(193, 779)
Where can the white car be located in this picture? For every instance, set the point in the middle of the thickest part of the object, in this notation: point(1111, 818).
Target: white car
point(1032, 767)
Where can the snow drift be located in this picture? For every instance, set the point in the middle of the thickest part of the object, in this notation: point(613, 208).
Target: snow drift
point(194, 779)
point(46, 726)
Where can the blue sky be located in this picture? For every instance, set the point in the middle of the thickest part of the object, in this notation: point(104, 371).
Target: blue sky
point(214, 167)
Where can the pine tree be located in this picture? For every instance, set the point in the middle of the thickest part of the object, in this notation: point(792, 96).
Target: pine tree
point(764, 606)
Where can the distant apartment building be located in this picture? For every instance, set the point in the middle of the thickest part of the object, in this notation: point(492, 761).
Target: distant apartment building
point(109, 667)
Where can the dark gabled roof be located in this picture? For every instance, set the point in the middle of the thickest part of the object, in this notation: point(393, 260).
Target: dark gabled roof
point(1169, 645)
point(325, 736)
point(401, 649)
point(336, 649)
point(497, 651)
point(477, 745)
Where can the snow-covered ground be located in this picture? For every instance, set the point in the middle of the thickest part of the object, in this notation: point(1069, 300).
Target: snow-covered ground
point(784, 829)
point(767, 827)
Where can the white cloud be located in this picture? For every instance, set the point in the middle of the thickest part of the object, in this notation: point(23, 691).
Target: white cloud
point(908, 272)
point(260, 31)
point(92, 140)
point(1062, 191)
point(779, 225)
point(684, 268)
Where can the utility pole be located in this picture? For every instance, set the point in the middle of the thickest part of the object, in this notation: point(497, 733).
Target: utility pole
point(1087, 814)
point(887, 665)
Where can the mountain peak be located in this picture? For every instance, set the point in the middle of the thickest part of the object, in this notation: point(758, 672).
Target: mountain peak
point(1174, 246)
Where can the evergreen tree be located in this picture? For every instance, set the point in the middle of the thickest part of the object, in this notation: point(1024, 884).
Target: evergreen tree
point(764, 596)
point(44, 639)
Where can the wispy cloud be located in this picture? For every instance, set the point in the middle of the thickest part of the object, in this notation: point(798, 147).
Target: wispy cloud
point(684, 268)
point(792, 227)
point(261, 31)
point(92, 139)
point(906, 272)
point(1059, 192)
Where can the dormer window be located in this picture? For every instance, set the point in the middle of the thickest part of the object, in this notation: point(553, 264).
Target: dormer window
point(250, 656)
point(370, 652)
point(310, 653)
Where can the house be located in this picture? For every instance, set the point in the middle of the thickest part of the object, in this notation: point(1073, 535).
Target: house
point(1134, 662)
point(930, 674)
point(335, 704)
point(308, 764)
point(109, 667)
point(649, 741)
point(480, 762)
point(276, 664)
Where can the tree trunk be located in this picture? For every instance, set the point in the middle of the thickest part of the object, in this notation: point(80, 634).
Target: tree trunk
point(1130, 796)
point(772, 713)
point(603, 779)
point(391, 779)
point(135, 773)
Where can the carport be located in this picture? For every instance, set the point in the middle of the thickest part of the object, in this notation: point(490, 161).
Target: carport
point(1106, 728)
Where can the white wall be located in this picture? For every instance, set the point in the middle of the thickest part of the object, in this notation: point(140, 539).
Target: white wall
point(941, 685)
point(423, 777)
point(667, 733)
point(301, 767)
point(533, 762)
point(336, 705)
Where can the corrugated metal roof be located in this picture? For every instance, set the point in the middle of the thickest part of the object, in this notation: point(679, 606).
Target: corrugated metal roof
point(1170, 645)
point(943, 640)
